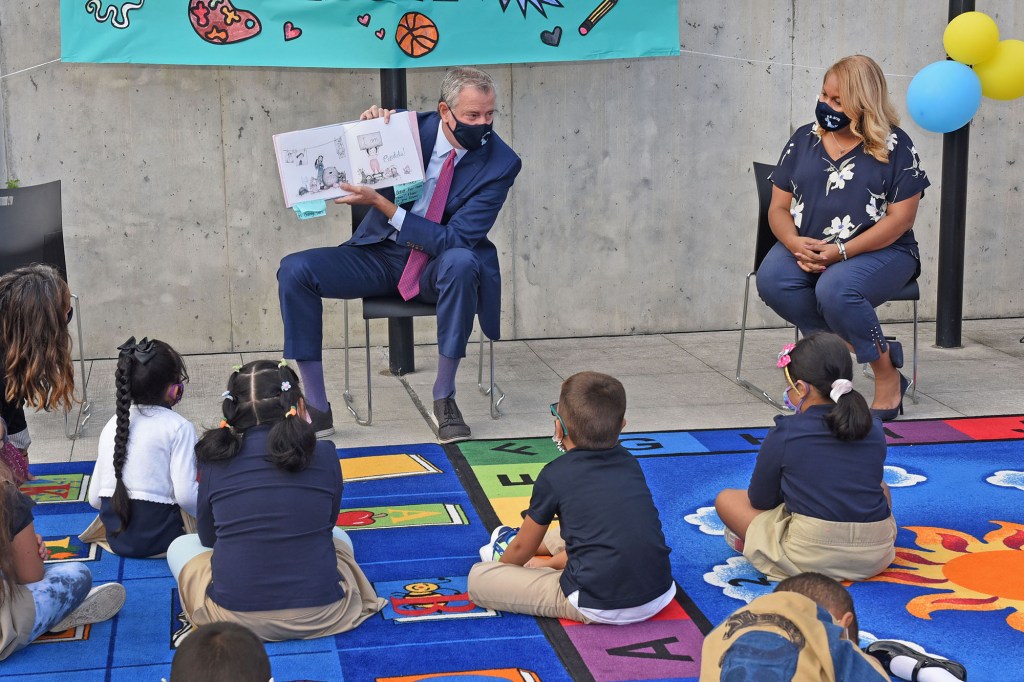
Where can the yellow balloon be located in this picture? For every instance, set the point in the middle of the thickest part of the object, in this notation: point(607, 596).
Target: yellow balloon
point(971, 38)
point(1002, 76)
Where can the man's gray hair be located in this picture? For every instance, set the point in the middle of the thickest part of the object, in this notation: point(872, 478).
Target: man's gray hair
point(455, 80)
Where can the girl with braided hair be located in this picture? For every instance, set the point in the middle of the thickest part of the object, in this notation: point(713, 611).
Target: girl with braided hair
point(268, 554)
point(144, 484)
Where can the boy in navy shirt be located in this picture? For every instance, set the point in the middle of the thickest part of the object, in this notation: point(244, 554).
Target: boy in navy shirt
point(609, 563)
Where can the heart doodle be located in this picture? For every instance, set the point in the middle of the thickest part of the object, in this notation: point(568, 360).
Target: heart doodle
point(553, 37)
point(363, 19)
point(379, 33)
point(291, 31)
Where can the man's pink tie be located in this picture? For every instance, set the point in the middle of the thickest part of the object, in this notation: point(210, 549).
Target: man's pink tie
point(409, 283)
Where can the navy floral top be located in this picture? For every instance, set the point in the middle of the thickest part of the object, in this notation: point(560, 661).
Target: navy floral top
point(836, 200)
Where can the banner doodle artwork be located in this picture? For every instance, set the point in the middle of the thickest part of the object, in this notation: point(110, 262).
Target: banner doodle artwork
point(365, 33)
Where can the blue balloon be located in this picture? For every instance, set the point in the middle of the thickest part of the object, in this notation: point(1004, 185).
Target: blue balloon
point(944, 96)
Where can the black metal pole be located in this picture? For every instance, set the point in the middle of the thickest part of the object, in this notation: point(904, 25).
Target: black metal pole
point(952, 224)
point(401, 350)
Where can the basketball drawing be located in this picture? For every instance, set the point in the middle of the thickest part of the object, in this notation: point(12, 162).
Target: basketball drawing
point(416, 34)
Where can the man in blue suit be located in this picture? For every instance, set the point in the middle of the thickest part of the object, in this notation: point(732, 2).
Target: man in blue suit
point(461, 275)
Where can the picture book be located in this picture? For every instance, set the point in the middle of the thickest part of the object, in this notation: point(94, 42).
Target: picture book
point(313, 163)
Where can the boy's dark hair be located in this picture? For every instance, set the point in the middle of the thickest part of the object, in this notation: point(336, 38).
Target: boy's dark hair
point(221, 652)
point(262, 393)
point(819, 360)
point(145, 370)
point(592, 405)
point(825, 592)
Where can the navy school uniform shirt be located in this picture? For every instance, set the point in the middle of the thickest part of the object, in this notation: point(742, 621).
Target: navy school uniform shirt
point(802, 464)
point(617, 556)
point(270, 529)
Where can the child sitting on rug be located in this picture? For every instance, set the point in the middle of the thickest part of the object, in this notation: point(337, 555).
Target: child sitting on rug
point(268, 555)
point(144, 483)
point(816, 500)
point(34, 598)
point(798, 633)
point(221, 652)
point(609, 563)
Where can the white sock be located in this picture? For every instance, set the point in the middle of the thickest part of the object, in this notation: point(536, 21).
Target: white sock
point(903, 667)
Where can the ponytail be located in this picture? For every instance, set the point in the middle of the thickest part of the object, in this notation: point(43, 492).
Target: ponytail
point(851, 418)
point(223, 442)
point(291, 441)
point(123, 382)
point(823, 361)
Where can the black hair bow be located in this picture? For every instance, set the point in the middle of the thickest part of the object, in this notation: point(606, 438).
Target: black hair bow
point(143, 351)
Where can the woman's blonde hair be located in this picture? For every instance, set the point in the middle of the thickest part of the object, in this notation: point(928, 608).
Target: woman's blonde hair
point(865, 98)
point(35, 345)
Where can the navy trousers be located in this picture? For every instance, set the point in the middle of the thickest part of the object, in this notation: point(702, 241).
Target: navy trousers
point(451, 281)
point(842, 299)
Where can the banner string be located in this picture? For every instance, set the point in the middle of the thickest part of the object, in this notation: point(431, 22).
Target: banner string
point(684, 51)
point(37, 66)
point(771, 63)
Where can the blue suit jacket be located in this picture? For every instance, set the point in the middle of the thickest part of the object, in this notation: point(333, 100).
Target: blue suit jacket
point(480, 185)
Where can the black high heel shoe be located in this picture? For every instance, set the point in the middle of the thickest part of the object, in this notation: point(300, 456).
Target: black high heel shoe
point(895, 353)
point(886, 650)
point(892, 413)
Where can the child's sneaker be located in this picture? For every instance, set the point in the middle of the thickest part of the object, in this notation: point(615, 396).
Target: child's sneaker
point(500, 539)
point(102, 603)
point(733, 541)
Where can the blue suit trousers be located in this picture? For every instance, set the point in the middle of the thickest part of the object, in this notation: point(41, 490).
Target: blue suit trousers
point(451, 281)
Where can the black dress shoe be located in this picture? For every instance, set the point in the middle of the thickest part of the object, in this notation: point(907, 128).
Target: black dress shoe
point(451, 427)
point(322, 422)
point(892, 413)
point(886, 650)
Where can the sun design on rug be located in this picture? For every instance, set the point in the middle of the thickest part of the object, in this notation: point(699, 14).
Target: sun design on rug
point(982, 575)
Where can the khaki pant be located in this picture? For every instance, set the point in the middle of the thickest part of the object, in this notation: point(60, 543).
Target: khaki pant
point(516, 589)
point(97, 533)
point(359, 603)
point(781, 544)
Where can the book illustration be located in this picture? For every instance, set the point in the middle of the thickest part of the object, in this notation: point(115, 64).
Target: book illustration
point(314, 163)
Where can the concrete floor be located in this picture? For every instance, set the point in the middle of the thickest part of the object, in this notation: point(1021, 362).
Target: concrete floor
point(673, 381)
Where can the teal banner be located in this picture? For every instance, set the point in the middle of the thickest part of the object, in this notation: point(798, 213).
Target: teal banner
point(365, 33)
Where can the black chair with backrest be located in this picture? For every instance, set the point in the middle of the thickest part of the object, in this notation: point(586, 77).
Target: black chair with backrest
point(385, 307)
point(32, 231)
point(765, 240)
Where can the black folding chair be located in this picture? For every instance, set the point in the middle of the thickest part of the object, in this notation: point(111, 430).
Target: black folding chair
point(31, 231)
point(765, 240)
point(386, 307)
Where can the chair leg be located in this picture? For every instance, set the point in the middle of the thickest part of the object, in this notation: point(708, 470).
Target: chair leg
point(754, 390)
point(913, 380)
point(493, 388)
point(347, 393)
point(85, 408)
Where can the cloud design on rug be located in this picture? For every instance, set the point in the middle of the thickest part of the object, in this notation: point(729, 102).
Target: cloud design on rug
point(898, 477)
point(706, 518)
point(739, 579)
point(1007, 479)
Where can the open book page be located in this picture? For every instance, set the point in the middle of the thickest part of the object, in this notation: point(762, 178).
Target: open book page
point(385, 154)
point(313, 163)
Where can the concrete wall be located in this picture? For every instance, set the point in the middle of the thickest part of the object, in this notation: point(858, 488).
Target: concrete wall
point(635, 211)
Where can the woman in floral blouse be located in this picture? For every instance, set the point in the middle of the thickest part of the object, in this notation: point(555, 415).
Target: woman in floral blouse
point(845, 196)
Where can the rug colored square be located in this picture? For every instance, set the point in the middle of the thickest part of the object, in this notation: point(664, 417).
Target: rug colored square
point(418, 513)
